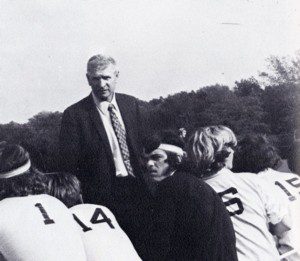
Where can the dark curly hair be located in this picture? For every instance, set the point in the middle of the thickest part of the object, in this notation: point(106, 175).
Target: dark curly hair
point(168, 137)
point(255, 153)
point(65, 187)
point(31, 182)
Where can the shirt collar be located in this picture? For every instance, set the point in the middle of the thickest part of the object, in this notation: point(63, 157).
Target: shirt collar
point(103, 105)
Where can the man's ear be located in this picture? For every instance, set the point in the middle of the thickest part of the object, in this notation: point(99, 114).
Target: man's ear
point(178, 159)
point(88, 78)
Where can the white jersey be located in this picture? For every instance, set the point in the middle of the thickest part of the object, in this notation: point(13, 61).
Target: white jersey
point(288, 184)
point(102, 236)
point(38, 228)
point(251, 207)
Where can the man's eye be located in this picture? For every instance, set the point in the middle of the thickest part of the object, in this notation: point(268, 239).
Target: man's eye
point(156, 157)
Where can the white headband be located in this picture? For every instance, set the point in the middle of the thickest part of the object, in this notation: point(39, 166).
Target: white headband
point(16, 172)
point(171, 148)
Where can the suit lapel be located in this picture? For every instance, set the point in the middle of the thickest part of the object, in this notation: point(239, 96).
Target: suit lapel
point(96, 119)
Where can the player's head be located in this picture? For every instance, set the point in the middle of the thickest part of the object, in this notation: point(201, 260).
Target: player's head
point(254, 154)
point(162, 154)
point(65, 187)
point(211, 149)
point(17, 175)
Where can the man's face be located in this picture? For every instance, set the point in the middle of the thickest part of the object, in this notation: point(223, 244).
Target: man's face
point(157, 167)
point(103, 82)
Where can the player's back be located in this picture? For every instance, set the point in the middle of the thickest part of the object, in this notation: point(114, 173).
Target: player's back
point(102, 236)
point(251, 207)
point(288, 184)
point(38, 228)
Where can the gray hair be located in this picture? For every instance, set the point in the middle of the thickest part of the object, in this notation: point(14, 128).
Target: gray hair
point(99, 61)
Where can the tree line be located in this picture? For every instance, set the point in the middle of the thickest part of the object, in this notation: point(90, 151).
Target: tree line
point(268, 104)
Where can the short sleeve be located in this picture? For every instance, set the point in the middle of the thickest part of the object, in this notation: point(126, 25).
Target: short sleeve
point(275, 204)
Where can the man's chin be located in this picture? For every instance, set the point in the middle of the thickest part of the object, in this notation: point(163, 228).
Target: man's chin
point(152, 173)
point(104, 95)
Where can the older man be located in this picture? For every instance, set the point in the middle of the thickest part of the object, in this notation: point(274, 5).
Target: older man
point(99, 142)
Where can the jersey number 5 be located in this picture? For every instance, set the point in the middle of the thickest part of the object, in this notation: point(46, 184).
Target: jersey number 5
point(232, 201)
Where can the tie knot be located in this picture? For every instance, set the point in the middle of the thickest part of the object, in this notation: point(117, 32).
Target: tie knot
point(111, 107)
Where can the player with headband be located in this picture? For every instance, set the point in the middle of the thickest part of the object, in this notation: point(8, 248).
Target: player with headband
point(190, 221)
point(33, 225)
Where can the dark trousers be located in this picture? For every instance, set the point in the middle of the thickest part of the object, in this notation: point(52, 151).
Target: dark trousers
point(131, 207)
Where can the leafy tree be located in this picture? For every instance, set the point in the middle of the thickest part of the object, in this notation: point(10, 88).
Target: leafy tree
point(283, 70)
point(43, 143)
point(248, 87)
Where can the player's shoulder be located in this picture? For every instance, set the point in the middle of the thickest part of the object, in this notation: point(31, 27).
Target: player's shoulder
point(226, 175)
point(90, 209)
point(24, 199)
point(185, 184)
point(24, 204)
point(87, 206)
point(271, 174)
point(244, 180)
point(248, 177)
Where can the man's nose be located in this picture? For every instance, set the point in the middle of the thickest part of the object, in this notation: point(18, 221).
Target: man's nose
point(101, 82)
point(149, 163)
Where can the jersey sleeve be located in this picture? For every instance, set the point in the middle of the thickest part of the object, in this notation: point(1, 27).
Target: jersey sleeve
point(275, 204)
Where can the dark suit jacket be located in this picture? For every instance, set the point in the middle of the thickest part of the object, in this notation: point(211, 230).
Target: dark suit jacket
point(85, 149)
point(190, 222)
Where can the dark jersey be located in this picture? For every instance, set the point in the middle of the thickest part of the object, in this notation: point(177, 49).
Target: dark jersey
point(191, 222)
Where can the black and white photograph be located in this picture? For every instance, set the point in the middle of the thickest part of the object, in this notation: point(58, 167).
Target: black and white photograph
point(150, 130)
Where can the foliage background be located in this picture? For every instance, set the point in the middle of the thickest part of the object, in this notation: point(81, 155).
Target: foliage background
point(268, 105)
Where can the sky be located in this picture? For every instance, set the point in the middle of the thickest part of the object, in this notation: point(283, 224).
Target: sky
point(162, 47)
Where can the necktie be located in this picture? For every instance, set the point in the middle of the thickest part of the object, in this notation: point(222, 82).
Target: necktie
point(121, 136)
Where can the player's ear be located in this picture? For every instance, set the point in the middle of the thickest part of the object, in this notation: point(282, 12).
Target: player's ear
point(179, 159)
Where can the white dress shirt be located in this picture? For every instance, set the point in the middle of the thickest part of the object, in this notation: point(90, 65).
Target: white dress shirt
point(102, 107)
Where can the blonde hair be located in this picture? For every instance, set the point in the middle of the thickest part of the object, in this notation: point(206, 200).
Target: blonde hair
point(208, 148)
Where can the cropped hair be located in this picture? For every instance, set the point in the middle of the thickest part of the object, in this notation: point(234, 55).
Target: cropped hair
point(99, 61)
point(255, 153)
point(208, 149)
point(65, 187)
point(165, 137)
point(30, 182)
